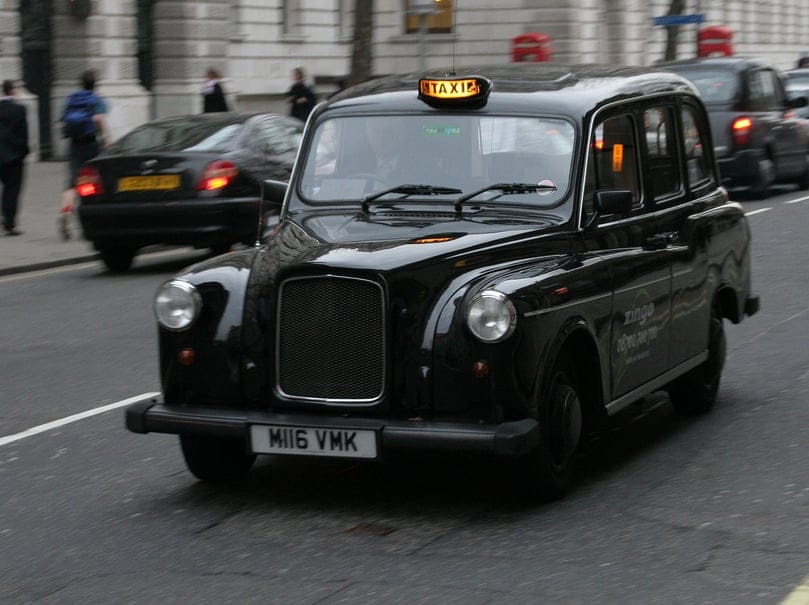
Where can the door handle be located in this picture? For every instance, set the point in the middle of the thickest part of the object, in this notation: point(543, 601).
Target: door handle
point(659, 241)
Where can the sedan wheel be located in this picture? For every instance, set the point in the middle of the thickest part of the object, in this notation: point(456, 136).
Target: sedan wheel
point(117, 260)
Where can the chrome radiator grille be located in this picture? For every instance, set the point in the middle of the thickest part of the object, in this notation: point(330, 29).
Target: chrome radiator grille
point(331, 339)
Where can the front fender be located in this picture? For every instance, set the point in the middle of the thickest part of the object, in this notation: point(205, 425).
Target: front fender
point(215, 338)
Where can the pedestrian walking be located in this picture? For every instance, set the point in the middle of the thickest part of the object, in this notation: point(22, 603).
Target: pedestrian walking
point(213, 94)
point(84, 123)
point(301, 98)
point(13, 149)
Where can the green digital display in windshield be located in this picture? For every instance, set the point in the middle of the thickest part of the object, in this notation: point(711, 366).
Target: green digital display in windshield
point(442, 131)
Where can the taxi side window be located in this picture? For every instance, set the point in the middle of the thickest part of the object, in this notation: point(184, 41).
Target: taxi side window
point(696, 161)
point(664, 167)
point(613, 160)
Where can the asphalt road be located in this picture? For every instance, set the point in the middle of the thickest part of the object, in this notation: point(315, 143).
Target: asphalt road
point(708, 510)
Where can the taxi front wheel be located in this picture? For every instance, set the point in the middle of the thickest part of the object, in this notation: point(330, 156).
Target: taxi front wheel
point(216, 459)
point(696, 391)
point(552, 464)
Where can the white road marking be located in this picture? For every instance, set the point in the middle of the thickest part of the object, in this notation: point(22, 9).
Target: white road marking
point(799, 596)
point(49, 426)
point(798, 199)
point(759, 211)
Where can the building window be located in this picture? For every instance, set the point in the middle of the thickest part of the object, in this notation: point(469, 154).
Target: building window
point(439, 21)
point(291, 16)
point(345, 16)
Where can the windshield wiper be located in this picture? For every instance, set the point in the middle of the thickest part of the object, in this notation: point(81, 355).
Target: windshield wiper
point(407, 190)
point(504, 189)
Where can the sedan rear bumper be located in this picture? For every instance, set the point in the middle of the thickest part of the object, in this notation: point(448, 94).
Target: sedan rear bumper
point(506, 440)
point(191, 222)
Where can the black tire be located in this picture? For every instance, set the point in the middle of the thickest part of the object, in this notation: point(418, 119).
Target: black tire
point(117, 260)
point(803, 181)
point(552, 464)
point(215, 459)
point(695, 392)
point(765, 177)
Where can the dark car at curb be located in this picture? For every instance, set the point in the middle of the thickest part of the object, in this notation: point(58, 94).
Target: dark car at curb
point(759, 137)
point(187, 180)
point(555, 246)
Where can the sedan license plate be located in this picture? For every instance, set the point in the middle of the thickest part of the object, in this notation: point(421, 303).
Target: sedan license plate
point(161, 182)
point(311, 441)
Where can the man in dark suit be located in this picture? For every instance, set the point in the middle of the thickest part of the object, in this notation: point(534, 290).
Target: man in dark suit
point(13, 149)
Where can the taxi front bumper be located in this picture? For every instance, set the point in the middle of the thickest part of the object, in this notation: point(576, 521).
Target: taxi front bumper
point(504, 440)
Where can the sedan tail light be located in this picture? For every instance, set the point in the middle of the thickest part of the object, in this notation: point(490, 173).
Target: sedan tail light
point(88, 182)
point(742, 127)
point(217, 175)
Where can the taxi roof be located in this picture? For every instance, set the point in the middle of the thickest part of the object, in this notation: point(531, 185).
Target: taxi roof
point(537, 87)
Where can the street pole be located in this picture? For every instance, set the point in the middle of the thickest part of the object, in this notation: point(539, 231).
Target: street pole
point(696, 33)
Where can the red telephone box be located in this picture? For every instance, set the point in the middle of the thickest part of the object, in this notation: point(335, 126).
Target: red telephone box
point(532, 46)
point(715, 40)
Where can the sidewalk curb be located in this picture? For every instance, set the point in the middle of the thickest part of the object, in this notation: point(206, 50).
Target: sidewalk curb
point(41, 266)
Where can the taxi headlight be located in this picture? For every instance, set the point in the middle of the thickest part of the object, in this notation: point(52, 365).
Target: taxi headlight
point(177, 304)
point(491, 316)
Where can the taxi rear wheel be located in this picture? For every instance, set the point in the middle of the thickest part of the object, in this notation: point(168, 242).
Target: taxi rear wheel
point(696, 391)
point(216, 459)
point(553, 463)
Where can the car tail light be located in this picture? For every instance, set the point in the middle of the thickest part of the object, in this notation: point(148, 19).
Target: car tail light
point(741, 128)
point(217, 175)
point(88, 182)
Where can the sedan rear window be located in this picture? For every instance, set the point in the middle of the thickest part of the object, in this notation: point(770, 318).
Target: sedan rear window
point(715, 86)
point(179, 136)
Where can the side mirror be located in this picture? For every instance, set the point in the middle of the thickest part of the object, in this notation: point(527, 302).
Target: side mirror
point(796, 102)
point(613, 201)
point(609, 201)
point(273, 192)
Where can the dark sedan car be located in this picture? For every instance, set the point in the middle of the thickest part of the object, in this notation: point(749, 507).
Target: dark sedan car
point(758, 137)
point(190, 180)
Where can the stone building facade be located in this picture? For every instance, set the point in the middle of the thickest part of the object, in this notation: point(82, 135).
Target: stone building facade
point(151, 55)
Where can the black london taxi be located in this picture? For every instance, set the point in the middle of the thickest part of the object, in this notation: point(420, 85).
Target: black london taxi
point(492, 260)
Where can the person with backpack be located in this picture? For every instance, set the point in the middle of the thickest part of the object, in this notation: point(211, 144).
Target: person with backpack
point(83, 122)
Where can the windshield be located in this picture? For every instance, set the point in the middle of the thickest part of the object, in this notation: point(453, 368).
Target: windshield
point(179, 136)
point(714, 85)
point(355, 157)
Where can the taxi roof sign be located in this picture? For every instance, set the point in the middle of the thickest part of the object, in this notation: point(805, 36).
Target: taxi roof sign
point(447, 91)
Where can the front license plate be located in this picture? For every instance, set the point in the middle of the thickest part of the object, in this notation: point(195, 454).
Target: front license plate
point(311, 441)
point(161, 182)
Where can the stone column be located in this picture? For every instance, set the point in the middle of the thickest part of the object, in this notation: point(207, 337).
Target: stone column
point(189, 38)
point(106, 41)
